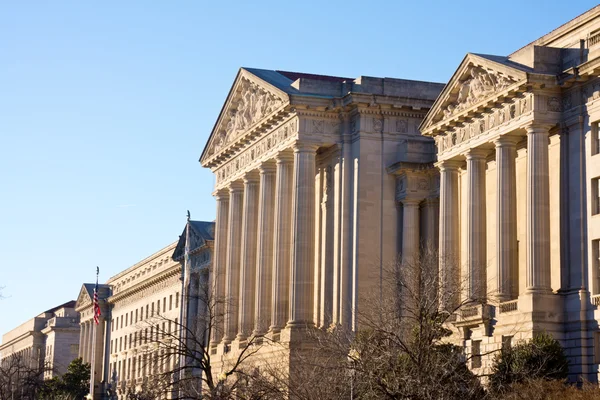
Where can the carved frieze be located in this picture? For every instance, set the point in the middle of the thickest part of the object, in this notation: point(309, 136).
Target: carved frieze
point(402, 126)
point(478, 126)
point(256, 150)
point(479, 84)
point(251, 104)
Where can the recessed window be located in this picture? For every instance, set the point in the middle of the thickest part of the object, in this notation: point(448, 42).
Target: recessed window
point(595, 196)
point(595, 138)
point(476, 354)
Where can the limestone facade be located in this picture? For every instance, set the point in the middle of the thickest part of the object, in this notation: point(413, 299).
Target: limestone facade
point(313, 175)
point(133, 302)
point(517, 149)
point(49, 340)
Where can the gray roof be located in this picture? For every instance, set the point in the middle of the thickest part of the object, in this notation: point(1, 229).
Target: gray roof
point(201, 232)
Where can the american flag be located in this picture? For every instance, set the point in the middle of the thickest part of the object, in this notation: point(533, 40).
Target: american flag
point(97, 312)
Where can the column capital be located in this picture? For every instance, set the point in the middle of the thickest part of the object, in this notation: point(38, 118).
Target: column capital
point(506, 141)
point(235, 186)
point(476, 153)
point(267, 167)
point(411, 202)
point(449, 165)
point(431, 201)
point(537, 128)
point(221, 194)
point(305, 147)
point(250, 177)
point(284, 156)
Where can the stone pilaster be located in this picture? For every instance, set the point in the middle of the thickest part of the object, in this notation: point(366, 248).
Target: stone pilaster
point(232, 273)
point(327, 249)
point(282, 240)
point(303, 228)
point(410, 231)
point(506, 217)
point(476, 233)
point(449, 233)
point(219, 263)
point(264, 256)
point(247, 297)
point(538, 210)
point(430, 209)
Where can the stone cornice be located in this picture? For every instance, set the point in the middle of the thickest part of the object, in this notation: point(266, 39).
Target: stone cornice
point(173, 271)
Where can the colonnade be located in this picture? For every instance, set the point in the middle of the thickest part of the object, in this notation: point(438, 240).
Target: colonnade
point(264, 247)
point(537, 211)
point(85, 340)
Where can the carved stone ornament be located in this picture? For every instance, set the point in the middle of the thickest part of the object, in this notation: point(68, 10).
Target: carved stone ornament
point(554, 104)
point(377, 125)
point(402, 126)
point(250, 105)
point(479, 84)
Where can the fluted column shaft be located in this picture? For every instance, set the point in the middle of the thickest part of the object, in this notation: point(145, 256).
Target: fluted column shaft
point(303, 230)
point(538, 210)
point(326, 258)
point(264, 256)
point(410, 231)
point(449, 233)
point(248, 256)
point(282, 240)
point(506, 217)
point(476, 229)
point(219, 264)
point(431, 234)
point(232, 274)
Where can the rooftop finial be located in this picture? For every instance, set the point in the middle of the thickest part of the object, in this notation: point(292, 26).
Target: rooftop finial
point(188, 215)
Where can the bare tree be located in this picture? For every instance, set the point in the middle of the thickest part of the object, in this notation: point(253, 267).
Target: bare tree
point(166, 342)
point(21, 377)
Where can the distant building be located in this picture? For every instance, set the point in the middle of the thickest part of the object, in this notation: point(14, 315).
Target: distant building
point(49, 340)
point(131, 303)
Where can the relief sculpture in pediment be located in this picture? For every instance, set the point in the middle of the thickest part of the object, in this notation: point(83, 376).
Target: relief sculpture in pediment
point(252, 104)
point(479, 84)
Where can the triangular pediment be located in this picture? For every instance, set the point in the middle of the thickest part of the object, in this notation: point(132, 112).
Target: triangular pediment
point(84, 298)
point(478, 79)
point(200, 233)
point(251, 101)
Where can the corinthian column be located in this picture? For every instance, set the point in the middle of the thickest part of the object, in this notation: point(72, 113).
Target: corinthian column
point(506, 216)
point(449, 233)
point(538, 210)
point(219, 263)
point(476, 242)
point(282, 240)
point(248, 256)
point(303, 230)
point(264, 256)
point(232, 274)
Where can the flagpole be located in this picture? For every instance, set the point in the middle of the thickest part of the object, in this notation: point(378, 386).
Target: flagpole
point(93, 358)
point(185, 278)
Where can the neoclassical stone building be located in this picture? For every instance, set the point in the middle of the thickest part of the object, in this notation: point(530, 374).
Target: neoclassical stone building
point(322, 180)
point(136, 305)
point(518, 153)
point(50, 341)
point(312, 173)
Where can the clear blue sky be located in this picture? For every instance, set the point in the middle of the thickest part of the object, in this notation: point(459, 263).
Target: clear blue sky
point(105, 108)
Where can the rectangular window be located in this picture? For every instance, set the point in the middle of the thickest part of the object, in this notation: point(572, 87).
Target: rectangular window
point(120, 343)
point(176, 299)
point(152, 309)
point(134, 339)
point(597, 348)
point(121, 322)
point(164, 304)
point(126, 319)
point(595, 196)
point(112, 325)
point(596, 261)
point(147, 308)
point(595, 139)
point(170, 302)
point(158, 307)
point(476, 354)
point(136, 315)
point(506, 342)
